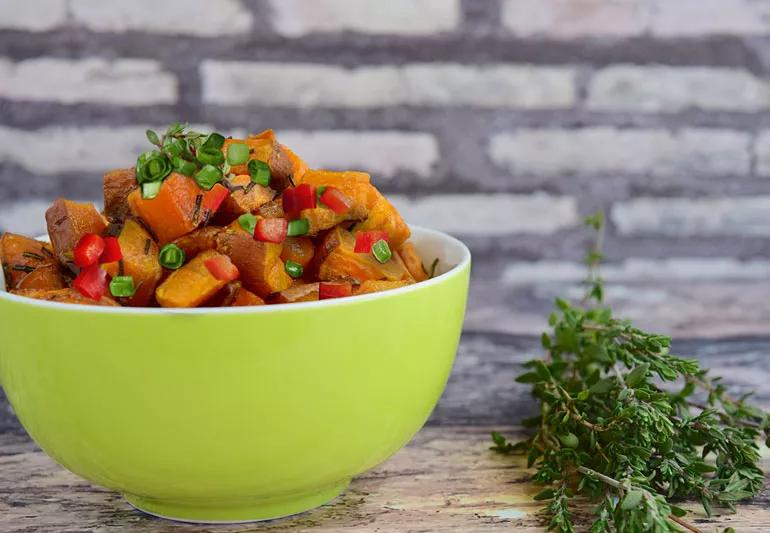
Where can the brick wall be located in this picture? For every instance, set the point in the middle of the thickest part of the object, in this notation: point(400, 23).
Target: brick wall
point(502, 121)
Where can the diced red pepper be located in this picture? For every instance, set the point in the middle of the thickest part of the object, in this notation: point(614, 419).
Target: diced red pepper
point(271, 230)
point(295, 199)
point(366, 239)
point(111, 251)
point(91, 282)
point(212, 199)
point(334, 290)
point(336, 200)
point(88, 250)
point(222, 268)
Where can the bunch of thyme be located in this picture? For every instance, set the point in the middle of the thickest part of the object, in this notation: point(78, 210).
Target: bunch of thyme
point(628, 425)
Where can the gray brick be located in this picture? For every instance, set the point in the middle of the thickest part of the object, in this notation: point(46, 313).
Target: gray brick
point(40, 15)
point(433, 84)
point(295, 18)
point(130, 82)
point(762, 153)
point(27, 218)
point(683, 217)
point(661, 88)
point(601, 150)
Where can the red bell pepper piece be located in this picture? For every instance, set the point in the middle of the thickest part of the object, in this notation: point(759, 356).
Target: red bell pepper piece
point(213, 198)
point(91, 282)
point(335, 199)
point(366, 239)
point(111, 251)
point(88, 250)
point(271, 230)
point(222, 268)
point(295, 199)
point(328, 290)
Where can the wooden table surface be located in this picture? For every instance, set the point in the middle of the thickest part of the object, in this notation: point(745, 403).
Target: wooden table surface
point(446, 479)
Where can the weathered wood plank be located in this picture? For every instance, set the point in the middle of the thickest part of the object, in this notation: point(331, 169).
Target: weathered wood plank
point(446, 480)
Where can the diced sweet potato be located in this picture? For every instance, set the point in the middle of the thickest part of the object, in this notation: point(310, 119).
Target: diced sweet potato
point(413, 261)
point(370, 286)
point(199, 240)
point(336, 260)
point(140, 261)
point(272, 209)
point(298, 166)
point(246, 298)
point(46, 278)
point(68, 296)
point(321, 219)
point(265, 147)
point(191, 285)
point(22, 256)
point(175, 211)
point(383, 216)
point(298, 249)
point(247, 198)
point(68, 222)
point(262, 270)
point(355, 185)
point(118, 184)
point(304, 292)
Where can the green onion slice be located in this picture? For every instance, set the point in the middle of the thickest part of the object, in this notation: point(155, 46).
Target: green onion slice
point(318, 193)
point(174, 147)
point(298, 227)
point(152, 166)
point(171, 256)
point(214, 141)
point(184, 167)
point(259, 172)
point(248, 222)
point(237, 153)
point(151, 189)
point(381, 251)
point(208, 176)
point(122, 286)
point(210, 156)
point(293, 269)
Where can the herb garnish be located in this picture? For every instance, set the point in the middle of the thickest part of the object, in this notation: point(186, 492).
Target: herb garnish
point(630, 426)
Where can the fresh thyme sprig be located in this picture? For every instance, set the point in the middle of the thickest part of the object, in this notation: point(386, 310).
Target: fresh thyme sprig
point(629, 425)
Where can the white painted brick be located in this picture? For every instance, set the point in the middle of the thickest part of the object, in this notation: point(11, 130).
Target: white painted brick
point(295, 18)
point(310, 85)
point(124, 81)
point(40, 15)
point(554, 152)
point(382, 153)
point(61, 149)
point(183, 17)
point(762, 153)
point(682, 217)
point(490, 214)
point(660, 88)
point(709, 17)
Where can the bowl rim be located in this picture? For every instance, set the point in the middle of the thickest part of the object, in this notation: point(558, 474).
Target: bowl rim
point(454, 271)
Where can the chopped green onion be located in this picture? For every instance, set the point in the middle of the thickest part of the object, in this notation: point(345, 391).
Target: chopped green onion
point(184, 167)
point(381, 251)
point(318, 192)
point(208, 176)
point(214, 141)
point(152, 137)
point(248, 222)
point(122, 286)
point(152, 166)
point(174, 147)
point(151, 189)
point(298, 227)
point(259, 172)
point(293, 269)
point(171, 256)
point(210, 156)
point(237, 153)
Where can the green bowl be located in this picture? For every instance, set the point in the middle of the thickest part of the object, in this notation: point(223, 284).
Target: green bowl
point(234, 414)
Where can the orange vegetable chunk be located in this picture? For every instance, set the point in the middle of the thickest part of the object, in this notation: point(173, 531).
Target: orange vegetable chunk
point(191, 285)
point(259, 263)
point(413, 261)
point(173, 212)
point(22, 257)
point(68, 296)
point(303, 292)
point(68, 222)
point(118, 184)
point(370, 286)
point(140, 261)
point(248, 199)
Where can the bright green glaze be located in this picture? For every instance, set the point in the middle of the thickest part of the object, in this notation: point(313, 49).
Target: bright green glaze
point(233, 414)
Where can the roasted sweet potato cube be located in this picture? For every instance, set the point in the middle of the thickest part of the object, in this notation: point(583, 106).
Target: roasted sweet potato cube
point(174, 212)
point(191, 285)
point(320, 218)
point(272, 209)
point(234, 295)
point(245, 298)
point(259, 263)
point(118, 184)
point(413, 261)
point(303, 292)
point(265, 147)
point(67, 223)
point(370, 286)
point(298, 166)
point(355, 185)
point(383, 216)
point(68, 296)
point(198, 241)
point(298, 249)
point(22, 256)
point(336, 260)
point(140, 261)
point(247, 197)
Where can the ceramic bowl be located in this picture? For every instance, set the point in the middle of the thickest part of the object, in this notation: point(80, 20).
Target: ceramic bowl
point(234, 414)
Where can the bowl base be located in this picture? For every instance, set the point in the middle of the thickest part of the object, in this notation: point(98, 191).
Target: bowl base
point(239, 513)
